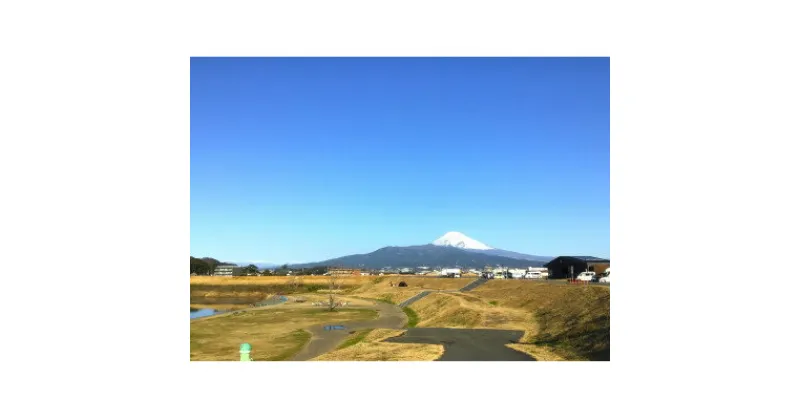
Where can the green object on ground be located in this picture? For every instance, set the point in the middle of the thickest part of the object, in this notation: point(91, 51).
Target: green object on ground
point(244, 352)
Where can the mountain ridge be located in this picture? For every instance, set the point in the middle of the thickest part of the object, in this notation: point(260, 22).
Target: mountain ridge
point(421, 255)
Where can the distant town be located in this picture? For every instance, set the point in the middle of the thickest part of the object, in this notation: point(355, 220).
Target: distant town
point(565, 267)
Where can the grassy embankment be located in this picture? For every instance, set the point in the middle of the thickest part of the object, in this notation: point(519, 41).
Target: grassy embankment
point(561, 322)
point(275, 333)
point(572, 321)
point(381, 290)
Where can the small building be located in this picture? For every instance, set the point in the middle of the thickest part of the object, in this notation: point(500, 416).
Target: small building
point(224, 270)
point(569, 266)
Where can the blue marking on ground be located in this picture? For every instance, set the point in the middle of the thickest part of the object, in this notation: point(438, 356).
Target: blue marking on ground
point(334, 327)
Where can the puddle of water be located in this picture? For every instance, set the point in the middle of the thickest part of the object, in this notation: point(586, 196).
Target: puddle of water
point(334, 327)
point(199, 313)
point(203, 312)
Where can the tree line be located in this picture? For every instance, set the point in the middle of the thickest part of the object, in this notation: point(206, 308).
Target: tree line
point(206, 266)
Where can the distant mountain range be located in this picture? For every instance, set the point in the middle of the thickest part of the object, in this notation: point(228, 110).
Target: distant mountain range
point(452, 249)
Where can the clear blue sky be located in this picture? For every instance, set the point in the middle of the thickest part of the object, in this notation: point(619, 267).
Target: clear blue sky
point(305, 159)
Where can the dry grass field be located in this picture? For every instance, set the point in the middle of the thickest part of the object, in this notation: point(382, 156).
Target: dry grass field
point(462, 310)
point(560, 321)
point(209, 292)
point(371, 348)
point(277, 280)
point(416, 282)
point(393, 296)
point(572, 320)
point(275, 333)
point(381, 289)
point(540, 353)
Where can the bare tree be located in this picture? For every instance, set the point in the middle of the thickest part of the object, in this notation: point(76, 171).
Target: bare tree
point(333, 284)
point(331, 302)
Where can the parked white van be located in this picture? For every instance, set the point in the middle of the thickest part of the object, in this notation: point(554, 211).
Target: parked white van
point(586, 276)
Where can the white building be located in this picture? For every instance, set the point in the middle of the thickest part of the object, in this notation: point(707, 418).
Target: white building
point(224, 270)
point(448, 271)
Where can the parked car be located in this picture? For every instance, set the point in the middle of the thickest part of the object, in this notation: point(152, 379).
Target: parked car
point(606, 276)
point(587, 276)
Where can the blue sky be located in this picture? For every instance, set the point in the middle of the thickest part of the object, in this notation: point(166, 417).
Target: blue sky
point(305, 159)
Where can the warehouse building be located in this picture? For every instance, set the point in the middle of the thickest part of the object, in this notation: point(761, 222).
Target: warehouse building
point(569, 266)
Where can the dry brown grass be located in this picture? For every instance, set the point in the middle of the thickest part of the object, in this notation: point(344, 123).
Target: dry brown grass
point(274, 333)
point(462, 310)
point(573, 320)
point(559, 320)
point(395, 297)
point(218, 306)
point(415, 284)
point(373, 349)
point(540, 353)
point(433, 283)
point(277, 280)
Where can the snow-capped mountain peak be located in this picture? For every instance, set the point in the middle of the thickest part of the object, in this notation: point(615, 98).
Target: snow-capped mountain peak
point(459, 240)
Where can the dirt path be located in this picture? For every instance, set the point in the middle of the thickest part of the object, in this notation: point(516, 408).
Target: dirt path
point(389, 316)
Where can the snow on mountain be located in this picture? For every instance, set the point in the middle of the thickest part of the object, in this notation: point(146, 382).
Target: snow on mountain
point(459, 240)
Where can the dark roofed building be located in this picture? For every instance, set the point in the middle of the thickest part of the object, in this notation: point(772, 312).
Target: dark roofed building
point(559, 267)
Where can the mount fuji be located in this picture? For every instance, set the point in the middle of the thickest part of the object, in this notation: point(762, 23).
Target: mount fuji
point(451, 249)
point(459, 240)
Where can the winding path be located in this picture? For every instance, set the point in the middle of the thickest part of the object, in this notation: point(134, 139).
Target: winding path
point(460, 344)
point(389, 316)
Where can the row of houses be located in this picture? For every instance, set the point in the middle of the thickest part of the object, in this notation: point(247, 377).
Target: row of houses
point(558, 268)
